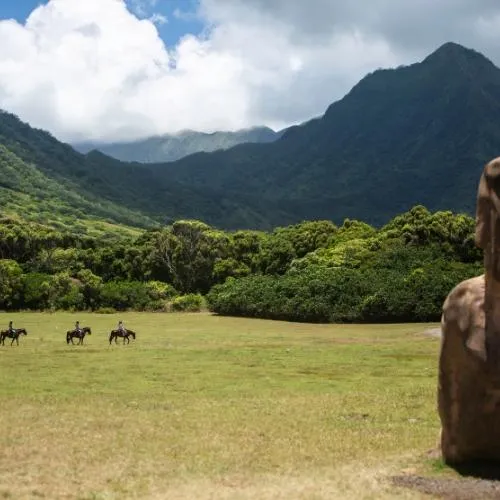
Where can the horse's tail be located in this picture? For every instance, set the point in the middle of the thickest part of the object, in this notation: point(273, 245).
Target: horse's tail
point(111, 336)
point(68, 337)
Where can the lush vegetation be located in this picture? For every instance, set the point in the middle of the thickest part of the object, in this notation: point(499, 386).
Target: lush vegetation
point(207, 407)
point(312, 272)
point(27, 192)
point(402, 272)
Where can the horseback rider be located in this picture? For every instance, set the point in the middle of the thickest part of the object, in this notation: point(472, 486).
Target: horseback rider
point(11, 329)
point(121, 328)
point(77, 327)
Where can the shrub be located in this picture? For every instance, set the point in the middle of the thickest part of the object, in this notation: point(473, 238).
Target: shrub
point(138, 295)
point(320, 294)
point(192, 302)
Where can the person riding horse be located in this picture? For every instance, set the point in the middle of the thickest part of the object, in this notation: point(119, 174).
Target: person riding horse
point(121, 331)
point(77, 327)
point(11, 329)
point(121, 328)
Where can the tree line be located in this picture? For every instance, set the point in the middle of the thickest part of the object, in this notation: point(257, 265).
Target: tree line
point(314, 271)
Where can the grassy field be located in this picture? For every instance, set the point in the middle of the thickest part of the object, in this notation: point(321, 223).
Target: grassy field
point(214, 408)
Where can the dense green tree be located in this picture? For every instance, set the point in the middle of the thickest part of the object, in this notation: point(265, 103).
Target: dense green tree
point(10, 283)
point(312, 271)
point(36, 291)
point(188, 252)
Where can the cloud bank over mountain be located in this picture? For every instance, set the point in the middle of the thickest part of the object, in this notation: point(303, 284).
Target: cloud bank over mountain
point(96, 70)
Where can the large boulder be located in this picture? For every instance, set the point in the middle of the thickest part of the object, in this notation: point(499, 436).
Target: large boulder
point(469, 362)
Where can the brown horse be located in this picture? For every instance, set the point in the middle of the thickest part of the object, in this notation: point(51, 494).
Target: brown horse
point(121, 333)
point(12, 334)
point(80, 335)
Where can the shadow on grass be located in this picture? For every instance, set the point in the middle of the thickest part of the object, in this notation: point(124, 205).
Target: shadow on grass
point(480, 469)
point(478, 479)
point(477, 469)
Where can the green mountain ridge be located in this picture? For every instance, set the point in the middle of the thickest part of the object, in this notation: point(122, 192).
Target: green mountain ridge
point(418, 134)
point(170, 147)
point(125, 193)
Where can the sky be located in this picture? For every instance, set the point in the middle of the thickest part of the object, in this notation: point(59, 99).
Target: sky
point(120, 70)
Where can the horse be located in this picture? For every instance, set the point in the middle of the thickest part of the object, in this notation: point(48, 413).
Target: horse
point(121, 333)
point(12, 334)
point(70, 334)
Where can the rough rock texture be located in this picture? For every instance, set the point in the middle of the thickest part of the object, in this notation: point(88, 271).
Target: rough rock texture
point(469, 363)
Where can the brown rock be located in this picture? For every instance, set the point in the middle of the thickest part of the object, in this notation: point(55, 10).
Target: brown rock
point(469, 363)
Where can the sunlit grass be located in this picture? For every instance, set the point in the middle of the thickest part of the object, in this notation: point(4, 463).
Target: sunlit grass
point(209, 407)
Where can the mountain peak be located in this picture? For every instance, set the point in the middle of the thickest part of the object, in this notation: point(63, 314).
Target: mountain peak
point(450, 48)
point(451, 52)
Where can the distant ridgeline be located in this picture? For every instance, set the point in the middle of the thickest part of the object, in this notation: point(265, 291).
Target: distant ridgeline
point(161, 149)
point(312, 272)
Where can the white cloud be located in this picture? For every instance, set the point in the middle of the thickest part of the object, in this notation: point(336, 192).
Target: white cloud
point(95, 70)
point(142, 7)
point(158, 18)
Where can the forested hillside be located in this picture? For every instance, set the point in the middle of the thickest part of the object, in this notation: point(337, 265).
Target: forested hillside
point(27, 194)
point(314, 271)
point(419, 134)
point(118, 192)
point(173, 147)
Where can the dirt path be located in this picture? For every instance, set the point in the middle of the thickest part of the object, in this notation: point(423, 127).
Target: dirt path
point(451, 488)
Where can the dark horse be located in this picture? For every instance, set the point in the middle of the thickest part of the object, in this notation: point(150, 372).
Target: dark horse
point(80, 335)
point(120, 333)
point(14, 335)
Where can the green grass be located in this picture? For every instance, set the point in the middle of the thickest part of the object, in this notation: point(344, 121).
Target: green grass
point(211, 407)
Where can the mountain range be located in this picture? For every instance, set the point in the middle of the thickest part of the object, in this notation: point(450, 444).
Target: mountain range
point(170, 147)
point(418, 134)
